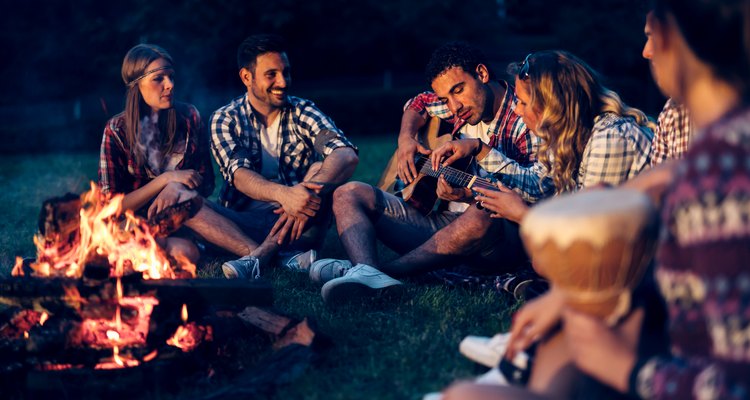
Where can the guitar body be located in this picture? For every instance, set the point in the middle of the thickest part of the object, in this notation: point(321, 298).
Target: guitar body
point(432, 135)
point(421, 193)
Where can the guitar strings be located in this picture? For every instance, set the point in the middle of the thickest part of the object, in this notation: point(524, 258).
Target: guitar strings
point(453, 175)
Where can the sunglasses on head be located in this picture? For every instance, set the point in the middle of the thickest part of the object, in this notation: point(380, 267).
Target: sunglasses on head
point(523, 73)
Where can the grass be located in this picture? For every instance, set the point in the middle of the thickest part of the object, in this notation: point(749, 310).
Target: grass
point(382, 349)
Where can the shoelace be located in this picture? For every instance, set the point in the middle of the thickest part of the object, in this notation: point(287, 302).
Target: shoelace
point(256, 270)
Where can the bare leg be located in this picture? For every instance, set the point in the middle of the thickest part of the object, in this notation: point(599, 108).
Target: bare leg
point(179, 247)
point(220, 231)
point(552, 377)
point(474, 391)
point(461, 237)
point(352, 203)
point(553, 373)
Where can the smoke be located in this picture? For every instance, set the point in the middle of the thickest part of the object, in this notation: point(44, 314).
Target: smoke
point(149, 143)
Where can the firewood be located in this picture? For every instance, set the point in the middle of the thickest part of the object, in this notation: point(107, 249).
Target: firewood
point(170, 219)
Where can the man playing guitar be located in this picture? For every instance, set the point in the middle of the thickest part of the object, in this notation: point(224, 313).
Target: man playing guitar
point(468, 95)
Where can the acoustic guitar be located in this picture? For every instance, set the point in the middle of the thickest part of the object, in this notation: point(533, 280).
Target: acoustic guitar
point(420, 193)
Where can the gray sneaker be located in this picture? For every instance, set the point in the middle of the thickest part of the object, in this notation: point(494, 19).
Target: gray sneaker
point(360, 281)
point(299, 262)
point(247, 267)
point(326, 269)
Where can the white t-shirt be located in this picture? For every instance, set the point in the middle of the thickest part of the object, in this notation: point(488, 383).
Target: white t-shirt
point(270, 143)
point(467, 131)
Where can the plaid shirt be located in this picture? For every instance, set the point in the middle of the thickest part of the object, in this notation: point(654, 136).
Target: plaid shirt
point(618, 150)
point(306, 135)
point(117, 171)
point(508, 134)
point(672, 133)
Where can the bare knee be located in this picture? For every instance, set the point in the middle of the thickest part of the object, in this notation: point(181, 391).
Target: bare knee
point(467, 232)
point(353, 195)
point(179, 248)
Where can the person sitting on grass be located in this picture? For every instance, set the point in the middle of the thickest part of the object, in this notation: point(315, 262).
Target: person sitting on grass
point(481, 106)
point(269, 147)
point(156, 153)
point(701, 261)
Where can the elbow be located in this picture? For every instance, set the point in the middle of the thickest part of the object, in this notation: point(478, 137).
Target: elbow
point(350, 160)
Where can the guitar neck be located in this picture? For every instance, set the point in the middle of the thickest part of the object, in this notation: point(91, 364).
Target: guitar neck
point(455, 177)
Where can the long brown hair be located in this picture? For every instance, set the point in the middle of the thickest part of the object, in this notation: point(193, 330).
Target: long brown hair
point(133, 68)
point(570, 96)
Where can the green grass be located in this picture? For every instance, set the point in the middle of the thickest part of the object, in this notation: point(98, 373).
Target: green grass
point(382, 349)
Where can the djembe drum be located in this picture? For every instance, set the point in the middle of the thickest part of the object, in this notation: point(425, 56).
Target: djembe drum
point(593, 246)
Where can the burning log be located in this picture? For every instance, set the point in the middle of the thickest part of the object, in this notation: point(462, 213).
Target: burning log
point(172, 218)
point(37, 293)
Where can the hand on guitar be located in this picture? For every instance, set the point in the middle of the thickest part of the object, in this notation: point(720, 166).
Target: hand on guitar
point(452, 151)
point(407, 149)
point(504, 203)
point(447, 192)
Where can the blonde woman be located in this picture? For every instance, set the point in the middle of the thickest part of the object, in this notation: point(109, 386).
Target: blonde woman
point(589, 136)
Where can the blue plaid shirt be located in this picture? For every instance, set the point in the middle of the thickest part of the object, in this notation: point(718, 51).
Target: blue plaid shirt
point(307, 135)
point(618, 150)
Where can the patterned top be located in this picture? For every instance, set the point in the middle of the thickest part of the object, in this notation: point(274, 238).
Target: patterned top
point(672, 133)
point(618, 150)
point(117, 171)
point(306, 135)
point(703, 270)
point(507, 132)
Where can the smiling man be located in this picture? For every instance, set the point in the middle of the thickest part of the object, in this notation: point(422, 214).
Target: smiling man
point(280, 158)
point(468, 95)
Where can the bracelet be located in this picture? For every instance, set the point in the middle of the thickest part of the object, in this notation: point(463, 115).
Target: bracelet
point(478, 149)
point(633, 377)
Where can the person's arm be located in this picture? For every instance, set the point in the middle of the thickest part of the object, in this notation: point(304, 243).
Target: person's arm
point(115, 178)
point(614, 155)
point(531, 182)
point(237, 169)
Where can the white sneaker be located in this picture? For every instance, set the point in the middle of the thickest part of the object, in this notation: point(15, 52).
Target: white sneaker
point(484, 350)
point(359, 281)
point(324, 270)
point(300, 261)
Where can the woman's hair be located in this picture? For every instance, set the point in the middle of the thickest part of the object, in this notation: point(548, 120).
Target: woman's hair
point(133, 69)
point(718, 32)
point(569, 95)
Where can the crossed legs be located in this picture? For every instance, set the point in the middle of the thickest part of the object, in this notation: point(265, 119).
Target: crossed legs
point(364, 213)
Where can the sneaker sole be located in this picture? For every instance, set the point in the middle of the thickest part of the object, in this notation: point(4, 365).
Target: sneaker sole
point(229, 272)
point(344, 292)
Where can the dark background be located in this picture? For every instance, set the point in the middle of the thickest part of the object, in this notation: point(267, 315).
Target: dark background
point(358, 60)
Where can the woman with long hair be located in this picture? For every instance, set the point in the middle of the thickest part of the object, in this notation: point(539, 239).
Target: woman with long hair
point(589, 136)
point(156, 153)
point(701, 54)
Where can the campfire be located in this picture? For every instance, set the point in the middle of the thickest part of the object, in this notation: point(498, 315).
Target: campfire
point(102, 294)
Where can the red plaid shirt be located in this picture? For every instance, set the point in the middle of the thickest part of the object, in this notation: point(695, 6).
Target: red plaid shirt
point(117, 171)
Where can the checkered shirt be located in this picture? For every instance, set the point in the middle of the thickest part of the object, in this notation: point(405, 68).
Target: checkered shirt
point(672, 133)
point(117, 171)
point(508, 134)
point(618, 150)
point(307, 135)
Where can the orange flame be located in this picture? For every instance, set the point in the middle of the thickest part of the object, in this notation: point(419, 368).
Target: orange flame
point(184, 313)
point(43, 318)
point(127, 245)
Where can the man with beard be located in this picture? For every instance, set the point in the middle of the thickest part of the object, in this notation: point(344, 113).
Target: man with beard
point(280, 158)
point(480, 106)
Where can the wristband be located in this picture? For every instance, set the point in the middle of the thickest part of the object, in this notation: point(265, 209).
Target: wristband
point(478, 149)
point(633, 377)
